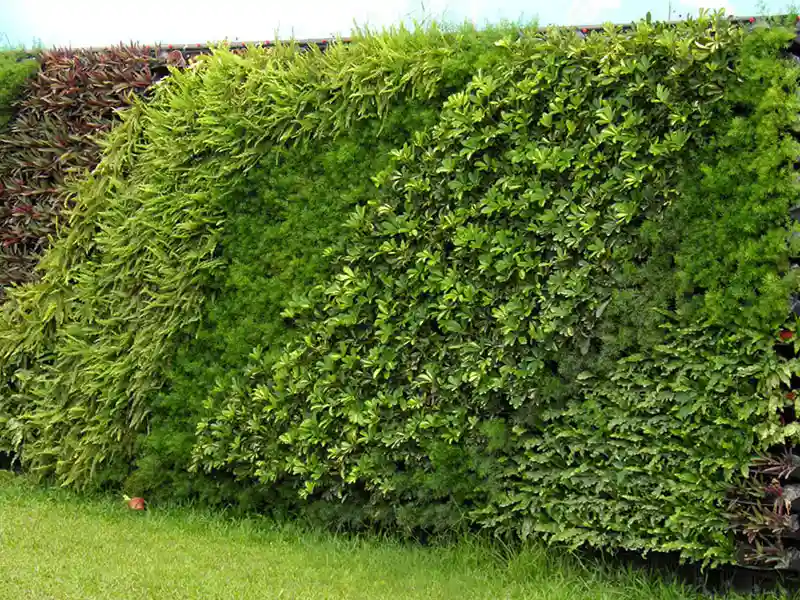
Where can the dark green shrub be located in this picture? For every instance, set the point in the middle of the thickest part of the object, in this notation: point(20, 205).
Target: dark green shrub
point(558, 313)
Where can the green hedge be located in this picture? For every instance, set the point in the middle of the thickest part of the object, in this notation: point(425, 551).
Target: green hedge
point(274, 244)
point(556, 271)
point(557, 315)
point(15, 70)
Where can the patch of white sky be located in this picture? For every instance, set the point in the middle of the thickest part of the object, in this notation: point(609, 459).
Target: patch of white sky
point(103, 22)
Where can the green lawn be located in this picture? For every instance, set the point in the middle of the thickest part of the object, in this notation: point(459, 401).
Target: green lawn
point(57, 545)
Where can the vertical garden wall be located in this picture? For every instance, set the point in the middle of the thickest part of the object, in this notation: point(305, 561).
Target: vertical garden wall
point(57, 108)
point(523, 281)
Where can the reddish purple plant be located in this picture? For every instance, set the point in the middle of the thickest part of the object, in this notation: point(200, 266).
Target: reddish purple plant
point(53, 136)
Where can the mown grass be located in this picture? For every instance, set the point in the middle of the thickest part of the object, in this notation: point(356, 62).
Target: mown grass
point(55, 544)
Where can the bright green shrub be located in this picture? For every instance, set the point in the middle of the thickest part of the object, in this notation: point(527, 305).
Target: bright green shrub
point(557, 315)
point(15, 70)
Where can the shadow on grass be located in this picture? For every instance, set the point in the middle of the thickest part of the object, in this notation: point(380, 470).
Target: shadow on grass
point(715, 583)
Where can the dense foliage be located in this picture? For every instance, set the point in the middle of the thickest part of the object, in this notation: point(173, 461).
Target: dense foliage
point(72, 99)
point(557, 266)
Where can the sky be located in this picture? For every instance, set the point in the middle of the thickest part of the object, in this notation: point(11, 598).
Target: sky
point(81, 23)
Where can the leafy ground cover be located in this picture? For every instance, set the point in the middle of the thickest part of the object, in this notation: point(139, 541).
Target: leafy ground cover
point(56, 544)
